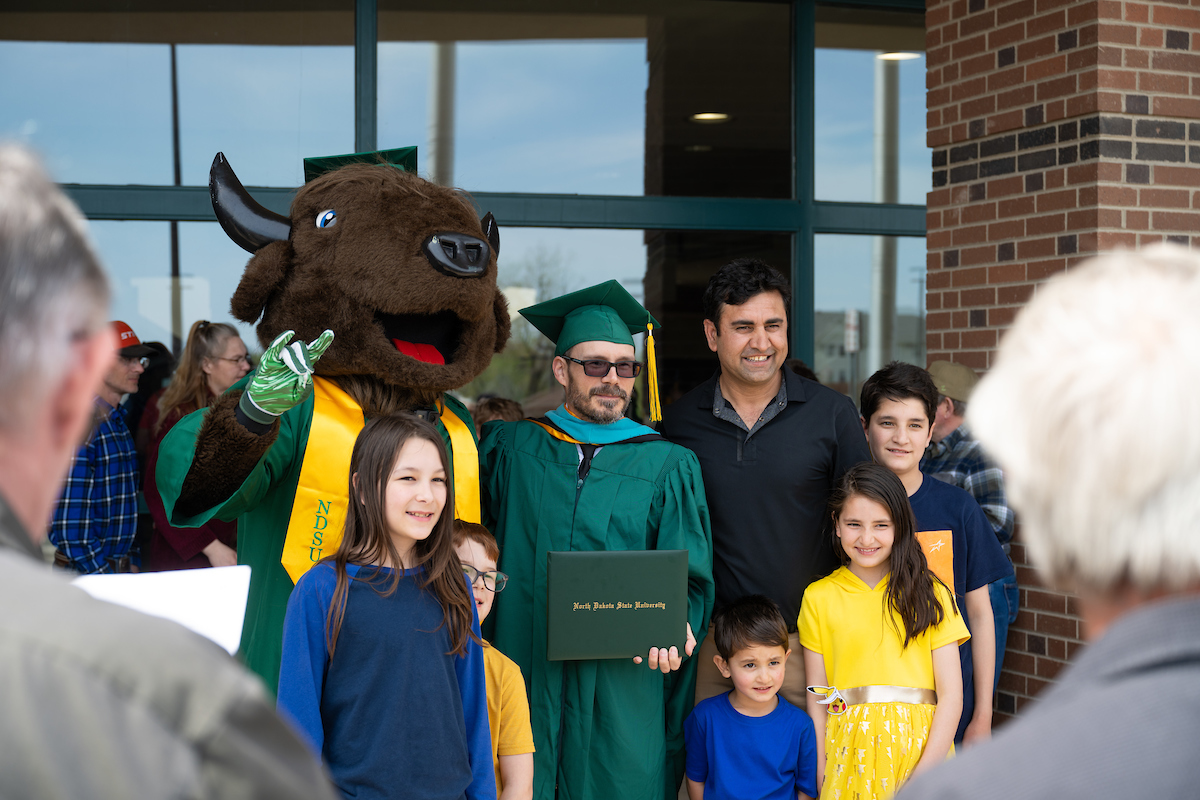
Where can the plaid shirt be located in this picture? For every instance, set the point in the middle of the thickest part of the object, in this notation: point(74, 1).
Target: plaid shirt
point(96, 517)
point(959, 460)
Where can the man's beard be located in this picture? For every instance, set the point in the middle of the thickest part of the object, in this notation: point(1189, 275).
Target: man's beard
point(598, 413)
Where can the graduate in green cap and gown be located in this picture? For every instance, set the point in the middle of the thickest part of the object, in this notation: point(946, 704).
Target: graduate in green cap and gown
point(585, 478)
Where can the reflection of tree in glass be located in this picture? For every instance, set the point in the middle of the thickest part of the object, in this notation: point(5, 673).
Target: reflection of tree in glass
point(523, 369)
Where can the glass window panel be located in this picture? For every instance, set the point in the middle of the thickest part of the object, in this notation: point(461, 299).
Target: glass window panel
point(570, 116)
point(843, 283)
point(95, 91)
point(98, 112)
point(137, 256)
point(574, 258)
point(540, 137)
point(266, 108)
point(403, 99)
point(599, 102)
point(211, 266)
point(850, 83)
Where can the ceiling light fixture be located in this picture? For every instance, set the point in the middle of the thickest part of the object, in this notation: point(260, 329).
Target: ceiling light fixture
point(898, 56)
point(710, 117)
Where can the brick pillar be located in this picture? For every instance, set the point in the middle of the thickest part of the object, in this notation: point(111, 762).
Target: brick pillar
point(1060, 129)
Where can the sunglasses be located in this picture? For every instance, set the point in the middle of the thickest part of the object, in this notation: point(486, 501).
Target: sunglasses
point(596, 368)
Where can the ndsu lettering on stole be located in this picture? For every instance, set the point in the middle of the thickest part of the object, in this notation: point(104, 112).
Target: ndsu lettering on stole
point(319, 505)
point(319, 525)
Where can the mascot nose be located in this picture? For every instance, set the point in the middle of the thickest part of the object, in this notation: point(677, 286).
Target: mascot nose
point(457, 254)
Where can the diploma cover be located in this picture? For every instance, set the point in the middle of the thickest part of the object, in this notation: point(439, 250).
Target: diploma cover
point(615, 604)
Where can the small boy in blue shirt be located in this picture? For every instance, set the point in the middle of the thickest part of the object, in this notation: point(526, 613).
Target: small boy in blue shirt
point(750, 742)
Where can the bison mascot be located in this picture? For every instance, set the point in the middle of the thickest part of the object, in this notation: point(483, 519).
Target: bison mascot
point(378, 294)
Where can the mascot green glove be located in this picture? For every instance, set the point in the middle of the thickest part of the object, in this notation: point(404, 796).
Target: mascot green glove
point(284, 377)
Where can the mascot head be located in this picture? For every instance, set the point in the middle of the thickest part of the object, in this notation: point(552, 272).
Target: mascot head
point(400, 269)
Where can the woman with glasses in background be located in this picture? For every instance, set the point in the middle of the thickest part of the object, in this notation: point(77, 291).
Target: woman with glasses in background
point(213, 359)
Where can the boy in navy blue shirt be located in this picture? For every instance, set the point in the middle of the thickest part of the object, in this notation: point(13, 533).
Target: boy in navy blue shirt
point(898, 405)
point(750, 742)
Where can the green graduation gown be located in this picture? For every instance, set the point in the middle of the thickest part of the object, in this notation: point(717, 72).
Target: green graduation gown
point(602, 729)
point(262, 505)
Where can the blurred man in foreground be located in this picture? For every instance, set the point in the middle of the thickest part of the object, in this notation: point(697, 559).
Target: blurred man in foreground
point(1090, 411)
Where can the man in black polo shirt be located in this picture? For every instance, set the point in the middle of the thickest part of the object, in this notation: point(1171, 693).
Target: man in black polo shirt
point(771, 447)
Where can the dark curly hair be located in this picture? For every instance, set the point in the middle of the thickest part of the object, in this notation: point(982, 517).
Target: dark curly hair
point(738, 281)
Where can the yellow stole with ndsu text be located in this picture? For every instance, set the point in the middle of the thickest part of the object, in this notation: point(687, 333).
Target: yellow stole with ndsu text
point(323, 491)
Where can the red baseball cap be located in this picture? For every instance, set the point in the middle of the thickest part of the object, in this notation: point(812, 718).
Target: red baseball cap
point(130, 345)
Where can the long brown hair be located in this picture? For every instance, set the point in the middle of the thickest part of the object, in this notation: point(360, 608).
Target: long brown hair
point(366, 540)
point(910, 591)
point(189, 387)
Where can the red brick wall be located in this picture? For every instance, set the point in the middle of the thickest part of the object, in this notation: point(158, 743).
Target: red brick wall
point(1045, 636)
point(1060, 129)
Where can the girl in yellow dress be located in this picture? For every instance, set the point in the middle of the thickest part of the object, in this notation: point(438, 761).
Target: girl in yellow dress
point(880, 638)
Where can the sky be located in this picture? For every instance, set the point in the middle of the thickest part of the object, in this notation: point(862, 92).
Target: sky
point(546, 116)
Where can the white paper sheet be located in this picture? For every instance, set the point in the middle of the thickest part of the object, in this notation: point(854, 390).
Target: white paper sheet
point(211, 602)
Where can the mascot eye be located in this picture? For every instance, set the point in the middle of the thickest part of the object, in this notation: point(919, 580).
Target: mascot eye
point(326, 218)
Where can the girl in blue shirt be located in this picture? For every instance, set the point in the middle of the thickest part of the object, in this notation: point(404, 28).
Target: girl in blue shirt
point(382, 665)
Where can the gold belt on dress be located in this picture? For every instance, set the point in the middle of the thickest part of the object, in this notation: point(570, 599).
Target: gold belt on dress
point(837, 700)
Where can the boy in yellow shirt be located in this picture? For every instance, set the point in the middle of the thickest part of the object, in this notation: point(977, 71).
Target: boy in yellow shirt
point(508, 706)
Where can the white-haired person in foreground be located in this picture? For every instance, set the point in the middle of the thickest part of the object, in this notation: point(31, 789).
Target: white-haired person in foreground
point(1093, 412)
point(97, 701)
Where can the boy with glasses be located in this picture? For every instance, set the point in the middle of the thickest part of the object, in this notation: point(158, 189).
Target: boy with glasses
point(508, 710)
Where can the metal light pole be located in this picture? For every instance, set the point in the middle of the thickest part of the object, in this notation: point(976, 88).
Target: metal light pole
point(887, 190)
point(176, 284)
point(441, 115)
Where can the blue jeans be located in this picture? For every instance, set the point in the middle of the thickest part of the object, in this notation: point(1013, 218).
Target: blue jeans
point(1005, 597)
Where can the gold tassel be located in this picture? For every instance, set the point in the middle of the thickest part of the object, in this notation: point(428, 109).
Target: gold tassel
point(652, 378)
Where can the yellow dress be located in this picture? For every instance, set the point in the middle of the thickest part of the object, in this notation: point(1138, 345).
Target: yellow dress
point(873, 747)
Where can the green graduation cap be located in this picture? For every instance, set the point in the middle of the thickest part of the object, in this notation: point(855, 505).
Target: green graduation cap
point(605, 312)
point(404, 158)
point(601, 313)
